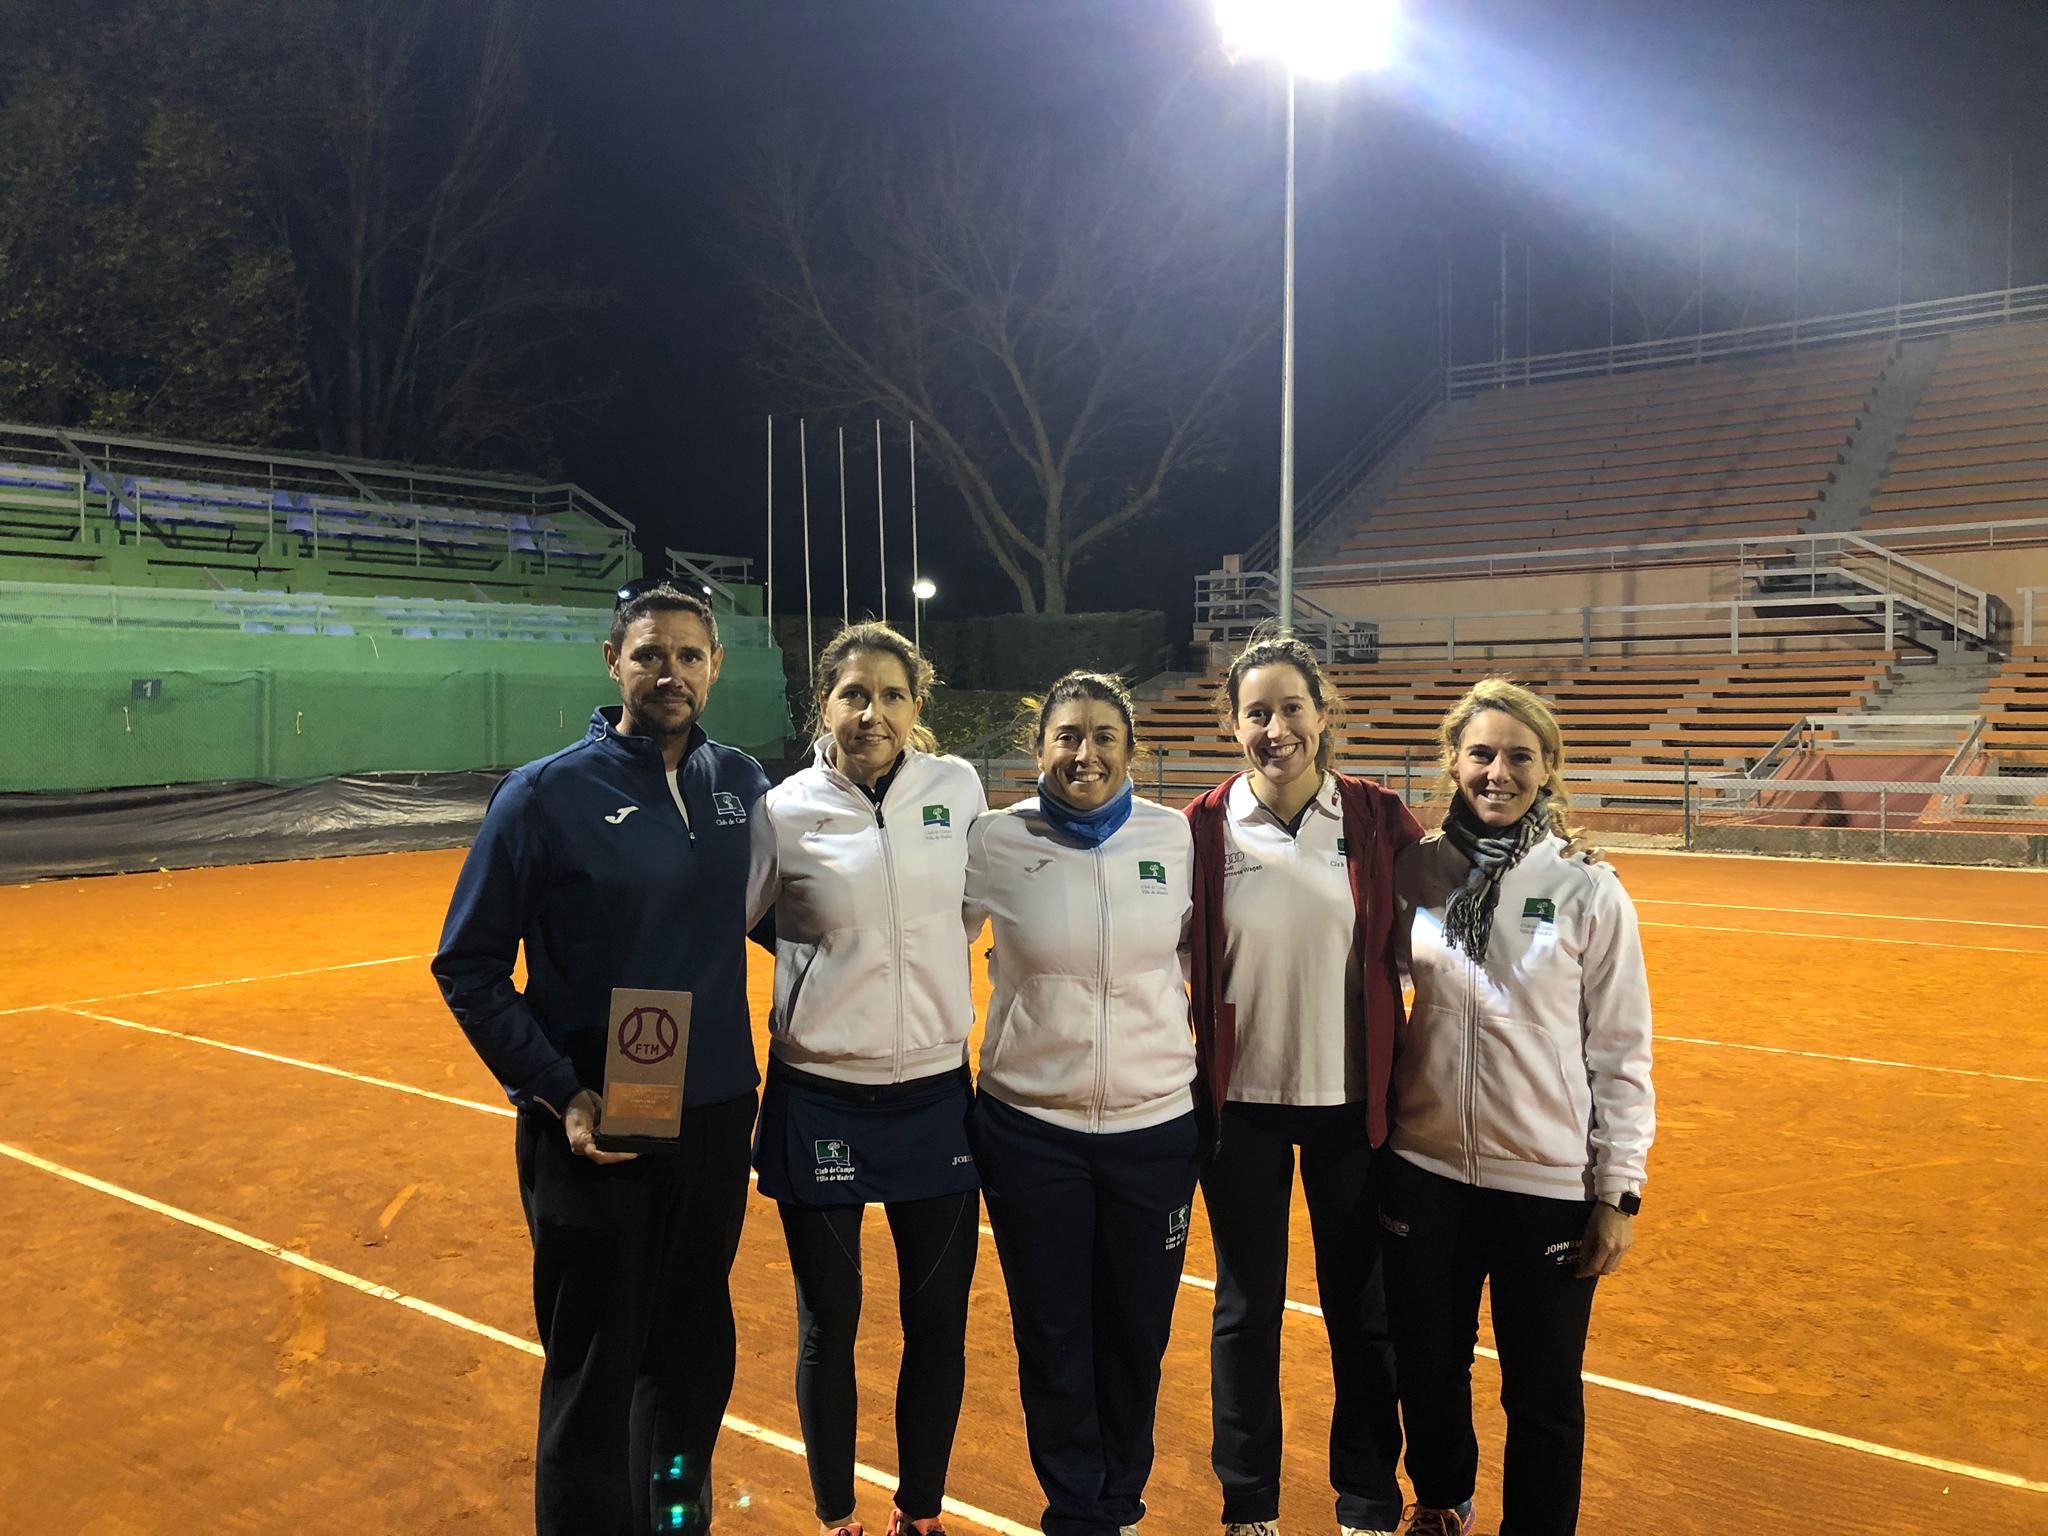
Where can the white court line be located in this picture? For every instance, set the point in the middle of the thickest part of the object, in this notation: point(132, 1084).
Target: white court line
point(293, 1061)
point(201, 986)
point(1820, 1436)
point(441, 1314)
point(1882, 917)
point(1306, 1309)
point(1694, 856)
point(1756, 1420)
point(1861, 1061)
point(1852, 938)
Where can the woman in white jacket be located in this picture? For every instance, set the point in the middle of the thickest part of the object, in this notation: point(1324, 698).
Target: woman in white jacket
point(863, 857)
point(1522, 1120)
point(1084, 1125)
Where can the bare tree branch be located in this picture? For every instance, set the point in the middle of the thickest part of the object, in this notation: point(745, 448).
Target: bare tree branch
point(1062, 328)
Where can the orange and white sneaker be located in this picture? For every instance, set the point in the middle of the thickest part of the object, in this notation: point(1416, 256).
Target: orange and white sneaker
point(1439, 1522)
point(901, 1524)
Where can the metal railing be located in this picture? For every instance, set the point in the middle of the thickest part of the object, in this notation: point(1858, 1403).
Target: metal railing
point(1352, 471)
point(1996, 306)
point(1954, 818)
point(1880, 612)
point(2026, 596)
point(1235, 604)
point(1614, 557)
point(716, 574)
point(1798, 737)
point(113, 458)
point(1854, 558)
point(43, 487)
point(1950, 818)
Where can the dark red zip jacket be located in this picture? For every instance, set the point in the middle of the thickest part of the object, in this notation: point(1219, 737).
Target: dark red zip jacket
point(1377, 826)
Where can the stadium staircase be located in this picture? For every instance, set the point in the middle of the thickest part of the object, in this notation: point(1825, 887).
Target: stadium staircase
point(1877, 434)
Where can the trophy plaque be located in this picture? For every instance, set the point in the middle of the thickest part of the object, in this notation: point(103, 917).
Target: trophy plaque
point(647, 1045)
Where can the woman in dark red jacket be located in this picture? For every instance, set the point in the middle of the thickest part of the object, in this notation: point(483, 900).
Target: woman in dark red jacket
point(1297, 1002)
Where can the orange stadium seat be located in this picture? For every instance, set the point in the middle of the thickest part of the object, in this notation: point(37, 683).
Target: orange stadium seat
point(1731, 449)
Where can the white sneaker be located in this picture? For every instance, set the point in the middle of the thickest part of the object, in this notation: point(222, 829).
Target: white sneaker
point(1359, 1530)
point(1252, 1528)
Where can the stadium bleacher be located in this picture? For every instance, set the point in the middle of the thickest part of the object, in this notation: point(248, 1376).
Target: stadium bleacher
point(1733, 449)
point(133, 511)
point(2016, 708)
point(1637, 721)
point(1976, 445)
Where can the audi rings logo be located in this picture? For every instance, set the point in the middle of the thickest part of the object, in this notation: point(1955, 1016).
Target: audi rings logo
point(648, 1035)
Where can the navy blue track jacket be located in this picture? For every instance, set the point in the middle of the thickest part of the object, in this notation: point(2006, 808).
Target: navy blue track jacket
point(584, 857)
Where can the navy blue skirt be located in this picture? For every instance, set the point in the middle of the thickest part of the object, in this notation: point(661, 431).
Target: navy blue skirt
point(825, 1142)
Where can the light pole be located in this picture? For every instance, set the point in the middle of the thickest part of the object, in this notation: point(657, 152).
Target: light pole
point(1323, 39)
point(924, 589)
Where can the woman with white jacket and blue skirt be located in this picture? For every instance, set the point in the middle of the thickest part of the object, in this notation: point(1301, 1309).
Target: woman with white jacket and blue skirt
point(1523, 1115)
point(863, 857)
point(1084, 1124)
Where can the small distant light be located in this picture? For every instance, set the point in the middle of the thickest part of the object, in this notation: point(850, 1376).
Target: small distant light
point(924, 589)
point(707, 591)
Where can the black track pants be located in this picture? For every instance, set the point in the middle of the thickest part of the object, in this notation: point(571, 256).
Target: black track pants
point(1091, 1230)
point(936, 1245)
point(1443, 1239)
point(631, 1264)
point(1247, 1190)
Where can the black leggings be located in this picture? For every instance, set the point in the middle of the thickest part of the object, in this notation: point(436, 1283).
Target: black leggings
point(1443, 1241)
point(936, 1244)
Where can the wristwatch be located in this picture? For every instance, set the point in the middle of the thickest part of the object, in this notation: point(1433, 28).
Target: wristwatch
point(1628, 1202)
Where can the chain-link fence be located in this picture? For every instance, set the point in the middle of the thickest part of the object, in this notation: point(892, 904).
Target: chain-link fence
point(1985, 819)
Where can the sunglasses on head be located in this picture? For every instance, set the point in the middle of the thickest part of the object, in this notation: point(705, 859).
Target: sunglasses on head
point(639, 586)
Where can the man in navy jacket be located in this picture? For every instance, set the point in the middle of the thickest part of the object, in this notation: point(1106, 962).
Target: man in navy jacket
point(621, 861)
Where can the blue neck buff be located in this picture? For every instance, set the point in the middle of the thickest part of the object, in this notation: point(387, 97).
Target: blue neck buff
point(1089, 828)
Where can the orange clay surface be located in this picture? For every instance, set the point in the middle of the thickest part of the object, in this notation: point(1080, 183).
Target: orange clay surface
point(1844, 1249)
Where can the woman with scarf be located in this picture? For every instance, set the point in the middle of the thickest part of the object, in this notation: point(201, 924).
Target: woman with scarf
point(1523, 1115)
point(1298, 1002)
point(1084, 1124)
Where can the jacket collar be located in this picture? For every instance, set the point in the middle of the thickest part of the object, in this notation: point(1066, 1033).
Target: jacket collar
point(821, 759)
point(604, 730)
point(1243, 802)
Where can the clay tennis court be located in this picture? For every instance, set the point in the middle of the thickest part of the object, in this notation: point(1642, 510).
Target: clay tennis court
point(265, 1268)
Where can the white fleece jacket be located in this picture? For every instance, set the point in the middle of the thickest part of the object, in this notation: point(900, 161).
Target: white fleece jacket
point(1530, 1073)
point(1088, 1022)
point(870, 962)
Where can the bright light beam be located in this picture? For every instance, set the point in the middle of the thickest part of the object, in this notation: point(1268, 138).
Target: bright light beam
point(1316, 39)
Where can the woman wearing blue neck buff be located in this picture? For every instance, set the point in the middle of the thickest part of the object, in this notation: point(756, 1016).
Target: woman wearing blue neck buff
point(1084, 1127)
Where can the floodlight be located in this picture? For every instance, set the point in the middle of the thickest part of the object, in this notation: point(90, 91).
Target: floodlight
point(924, 589)
point(1319, 39)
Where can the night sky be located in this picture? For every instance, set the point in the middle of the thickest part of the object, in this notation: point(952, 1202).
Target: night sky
point(1561, 122)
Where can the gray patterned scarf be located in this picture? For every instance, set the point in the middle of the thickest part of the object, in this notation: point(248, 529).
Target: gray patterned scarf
point(1468, 919)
